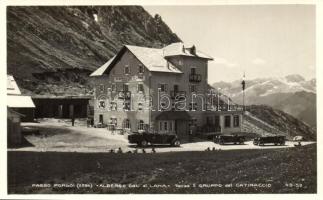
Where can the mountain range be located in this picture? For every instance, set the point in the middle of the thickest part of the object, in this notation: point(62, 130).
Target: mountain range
point(291, 94)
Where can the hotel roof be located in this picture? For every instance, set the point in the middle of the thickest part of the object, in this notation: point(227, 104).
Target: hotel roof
point(12, 87)
point(14, 97)
point(153, 59)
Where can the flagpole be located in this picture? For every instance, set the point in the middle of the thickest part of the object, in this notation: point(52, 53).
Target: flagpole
point(243, 92)
point(243, 83)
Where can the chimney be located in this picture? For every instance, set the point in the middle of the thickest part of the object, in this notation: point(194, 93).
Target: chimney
point(193, 50)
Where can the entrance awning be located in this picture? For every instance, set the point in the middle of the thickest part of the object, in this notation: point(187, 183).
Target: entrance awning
point(174, 115)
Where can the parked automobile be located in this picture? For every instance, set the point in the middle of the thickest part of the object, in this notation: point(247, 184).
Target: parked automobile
point(100, 125)
point(235, 139)
point(269, 140)
point(145, 138)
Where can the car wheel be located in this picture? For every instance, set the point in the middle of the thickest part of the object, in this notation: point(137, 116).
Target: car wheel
point(144, 143)
point(176, 143)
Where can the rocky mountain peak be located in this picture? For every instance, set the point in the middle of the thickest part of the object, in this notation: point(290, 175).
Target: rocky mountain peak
point(52, 50)
point(294, 78)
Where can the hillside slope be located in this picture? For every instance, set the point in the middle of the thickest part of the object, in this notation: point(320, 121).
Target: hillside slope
point(52, 50)
point(264, 120)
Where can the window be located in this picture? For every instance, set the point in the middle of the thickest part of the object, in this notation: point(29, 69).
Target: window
point(193, 70)
point(140, 87)
point(126, 69)
point(160, 126)
point(113, 87)
point(101, 119)
point(227, 121)
point(193, 106)
point(109, 90)
point(163, 87)
point(165, 126)
point(126, 106)
point(175, 88)
point(170, 126)
point(101, 88)
point(193, 122)
point(139, 106)
point(141, 125)
point(193, 88)
point(140, 69)
point(125, 87)
point(113, 106)
point(101, 103)
point(236, 121)
point(113, 121)
point(126, 123)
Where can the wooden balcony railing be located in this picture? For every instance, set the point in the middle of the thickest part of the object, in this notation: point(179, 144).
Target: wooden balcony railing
point(124, 95)
point(195, 78)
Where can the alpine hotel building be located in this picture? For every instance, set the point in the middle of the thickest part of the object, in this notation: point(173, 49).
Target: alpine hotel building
point(161, 90)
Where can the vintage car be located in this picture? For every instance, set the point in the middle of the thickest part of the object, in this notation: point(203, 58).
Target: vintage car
point(145, 138)
point(269, 140)
point(235, 139)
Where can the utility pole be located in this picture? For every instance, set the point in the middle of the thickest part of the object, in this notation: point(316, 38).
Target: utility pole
point(218, 99)
point(243, 83)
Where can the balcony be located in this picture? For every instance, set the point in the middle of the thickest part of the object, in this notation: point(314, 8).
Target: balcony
point(124, 95)
point(196, 78)
point(174, 94)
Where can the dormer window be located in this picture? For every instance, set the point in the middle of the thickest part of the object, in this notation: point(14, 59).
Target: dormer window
point(126, 70)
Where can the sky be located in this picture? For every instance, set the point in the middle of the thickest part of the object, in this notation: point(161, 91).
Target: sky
point(260, 40)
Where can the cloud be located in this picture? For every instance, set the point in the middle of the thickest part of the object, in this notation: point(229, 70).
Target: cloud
point(312, 67)
point(258, 61)
point(225, 62)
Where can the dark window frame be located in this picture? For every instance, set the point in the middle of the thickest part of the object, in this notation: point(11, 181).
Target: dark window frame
point(236, 121)
point(227, 121)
